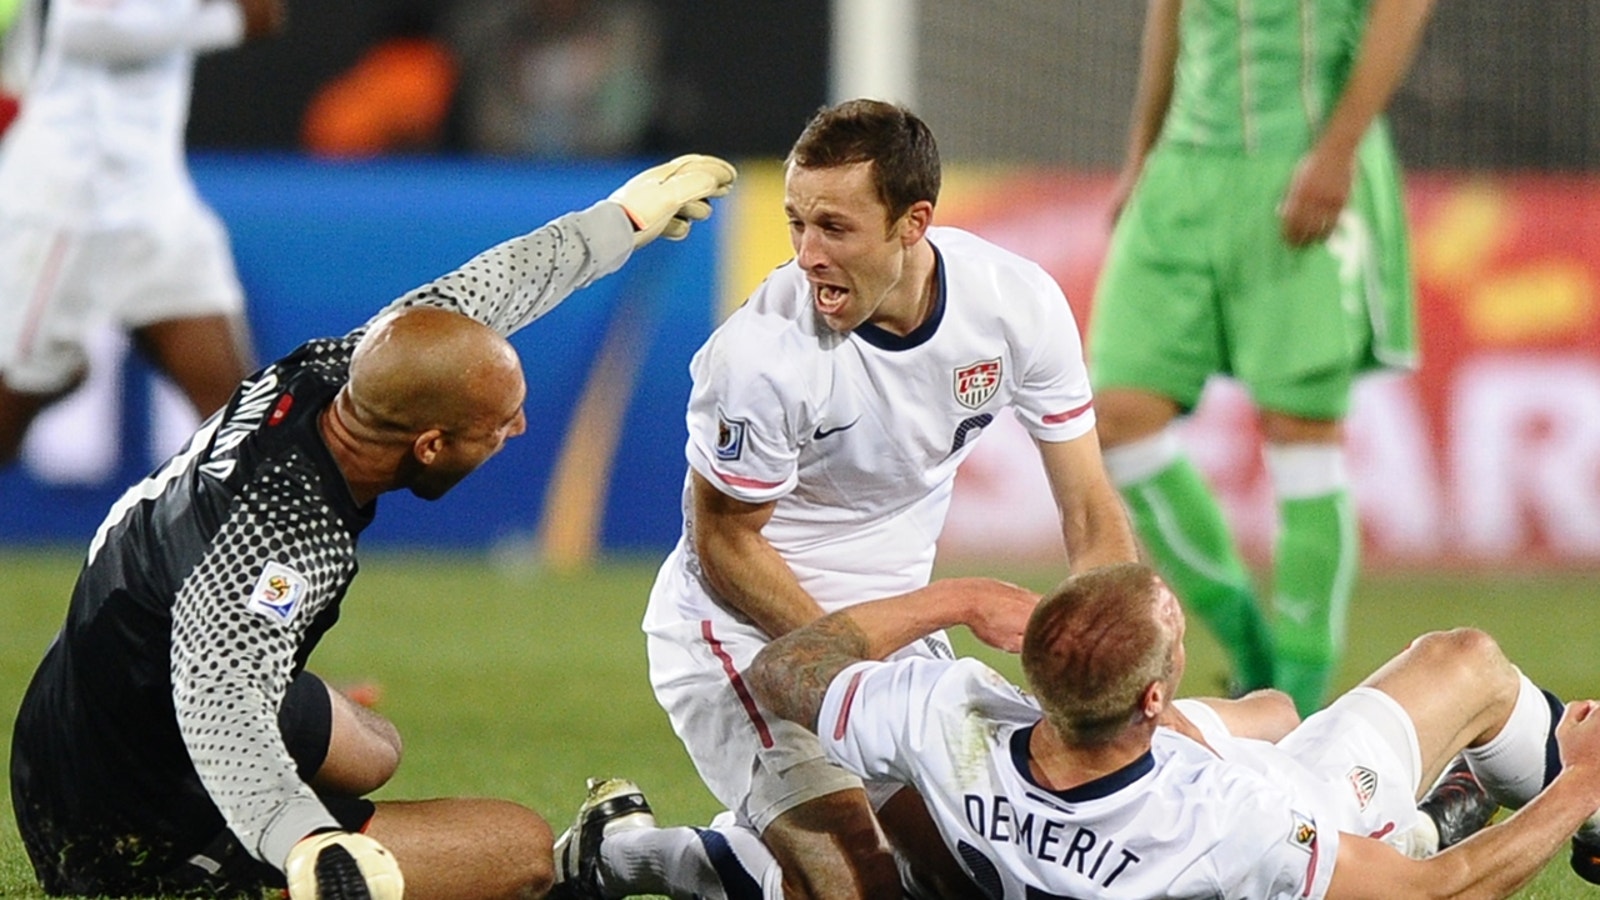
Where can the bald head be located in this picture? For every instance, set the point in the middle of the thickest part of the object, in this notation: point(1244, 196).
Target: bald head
point(432, 395)
point(1095, 644)
point(425, 367)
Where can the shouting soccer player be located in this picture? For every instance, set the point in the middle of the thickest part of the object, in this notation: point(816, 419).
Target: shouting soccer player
point(826, 423)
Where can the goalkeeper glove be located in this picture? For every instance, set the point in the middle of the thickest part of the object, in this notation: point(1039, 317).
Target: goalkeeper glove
point(342, 865)
point(663, 200)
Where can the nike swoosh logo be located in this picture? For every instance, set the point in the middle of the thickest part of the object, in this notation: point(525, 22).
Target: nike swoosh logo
point(821, 433)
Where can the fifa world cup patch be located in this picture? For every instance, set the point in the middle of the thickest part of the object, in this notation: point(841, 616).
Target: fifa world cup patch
point(975, 384)
point(730, 438)
point(278, 592)
point(1302, 832)
point(1364, 782)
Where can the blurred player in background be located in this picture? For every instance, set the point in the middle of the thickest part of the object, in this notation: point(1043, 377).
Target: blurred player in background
point(1095, 782)
point(1259, 234)
point(172, 741)
point(826, 422)
point(99, 220)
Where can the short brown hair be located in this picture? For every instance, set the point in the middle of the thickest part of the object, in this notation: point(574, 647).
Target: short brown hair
point(1091, 649)
point(900, 146)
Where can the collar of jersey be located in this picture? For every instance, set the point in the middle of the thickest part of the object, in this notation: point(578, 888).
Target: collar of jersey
point(888, 340)
point(1104, 786)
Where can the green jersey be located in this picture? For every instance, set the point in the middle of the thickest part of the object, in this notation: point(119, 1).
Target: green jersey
point(1260, 76)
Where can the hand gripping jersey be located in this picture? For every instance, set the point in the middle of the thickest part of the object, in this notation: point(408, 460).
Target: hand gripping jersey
point(1179, 822)
point(858, 436)
point(210, 582)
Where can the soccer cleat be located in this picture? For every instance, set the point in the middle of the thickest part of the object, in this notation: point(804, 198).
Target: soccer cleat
point(1458, 805)
point(612, 804)
point(1586, 859)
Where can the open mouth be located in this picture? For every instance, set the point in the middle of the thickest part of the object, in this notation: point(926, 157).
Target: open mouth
point(830, 299)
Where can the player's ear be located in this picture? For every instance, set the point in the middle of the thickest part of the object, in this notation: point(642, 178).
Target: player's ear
point(914, 224)
point(427, 446)
point(1153, 702)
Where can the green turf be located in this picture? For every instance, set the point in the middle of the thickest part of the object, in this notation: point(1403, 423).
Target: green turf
point(518, 683)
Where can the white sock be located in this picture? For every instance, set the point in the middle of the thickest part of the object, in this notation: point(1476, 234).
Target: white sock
point(1517, 763)
point(726, 862)
point(1303, 471)
point(1140, 460)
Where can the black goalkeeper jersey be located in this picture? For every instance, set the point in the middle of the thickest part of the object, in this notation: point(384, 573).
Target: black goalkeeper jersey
point(154, 713)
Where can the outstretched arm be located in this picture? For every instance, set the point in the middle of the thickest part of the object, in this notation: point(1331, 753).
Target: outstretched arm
point(790, 676)
point(135, 32)
point(513, 283)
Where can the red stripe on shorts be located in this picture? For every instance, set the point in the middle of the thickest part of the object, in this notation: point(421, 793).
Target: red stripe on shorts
point(43, 290)
point(843, 721)
point(738, 684)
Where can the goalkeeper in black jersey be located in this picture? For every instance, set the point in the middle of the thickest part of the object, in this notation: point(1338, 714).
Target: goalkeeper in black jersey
point(171, 741)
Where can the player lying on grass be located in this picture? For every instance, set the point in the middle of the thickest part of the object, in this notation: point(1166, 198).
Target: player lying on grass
point(1100, 781)
point(1081, 798)
point(171, 741)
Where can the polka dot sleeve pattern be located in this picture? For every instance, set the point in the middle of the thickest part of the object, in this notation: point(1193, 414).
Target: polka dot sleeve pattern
point(515, 282)
point(280, 558)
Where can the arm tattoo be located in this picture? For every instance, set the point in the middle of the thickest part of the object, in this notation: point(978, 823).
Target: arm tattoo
point(792, 674)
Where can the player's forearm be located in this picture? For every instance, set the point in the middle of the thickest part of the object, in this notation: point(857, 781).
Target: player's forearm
point(1388, 46)
point(748, 574)
point(132, 33)
point(515, 282)
point(239, 762)
point(791, 675)
point(1095, 527)
point(1158, 57)
point(1501, 859)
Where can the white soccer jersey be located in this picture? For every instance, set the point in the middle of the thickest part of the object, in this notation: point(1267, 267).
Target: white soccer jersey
point(99, 141)
point(1179, 822)
point(858, 436)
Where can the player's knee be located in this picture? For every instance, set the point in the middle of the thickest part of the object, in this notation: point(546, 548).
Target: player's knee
point(845, 860)
point(532, 869)
point(1467, 656)
point(1123, 416)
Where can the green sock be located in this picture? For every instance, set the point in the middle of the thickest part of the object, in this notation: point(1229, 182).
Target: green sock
point(1183, 529)
point(1317, 555)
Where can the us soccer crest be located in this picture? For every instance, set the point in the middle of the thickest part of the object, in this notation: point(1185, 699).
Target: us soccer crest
point(1364, 782)
point(976, 383)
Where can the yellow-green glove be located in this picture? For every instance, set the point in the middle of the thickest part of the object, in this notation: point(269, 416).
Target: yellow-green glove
point(664, 200)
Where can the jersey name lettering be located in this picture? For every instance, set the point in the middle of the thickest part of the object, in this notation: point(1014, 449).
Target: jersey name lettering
point(254, 402)
point(1098, 859)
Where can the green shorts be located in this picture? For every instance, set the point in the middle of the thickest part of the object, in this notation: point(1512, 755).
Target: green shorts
point(1199, 282)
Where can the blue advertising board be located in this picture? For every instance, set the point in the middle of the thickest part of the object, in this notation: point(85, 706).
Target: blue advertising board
point(322, 245)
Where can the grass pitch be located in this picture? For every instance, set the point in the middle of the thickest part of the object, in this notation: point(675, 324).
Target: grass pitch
point(514, 682)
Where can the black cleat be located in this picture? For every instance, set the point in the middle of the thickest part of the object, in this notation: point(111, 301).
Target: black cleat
point(338, 876)
point(612, 804)
point(1458, 805)
point(1586, 860)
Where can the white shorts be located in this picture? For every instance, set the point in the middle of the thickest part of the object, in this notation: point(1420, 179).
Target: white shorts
point(757, 765)
point(60, 282)
point(1365, 747)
